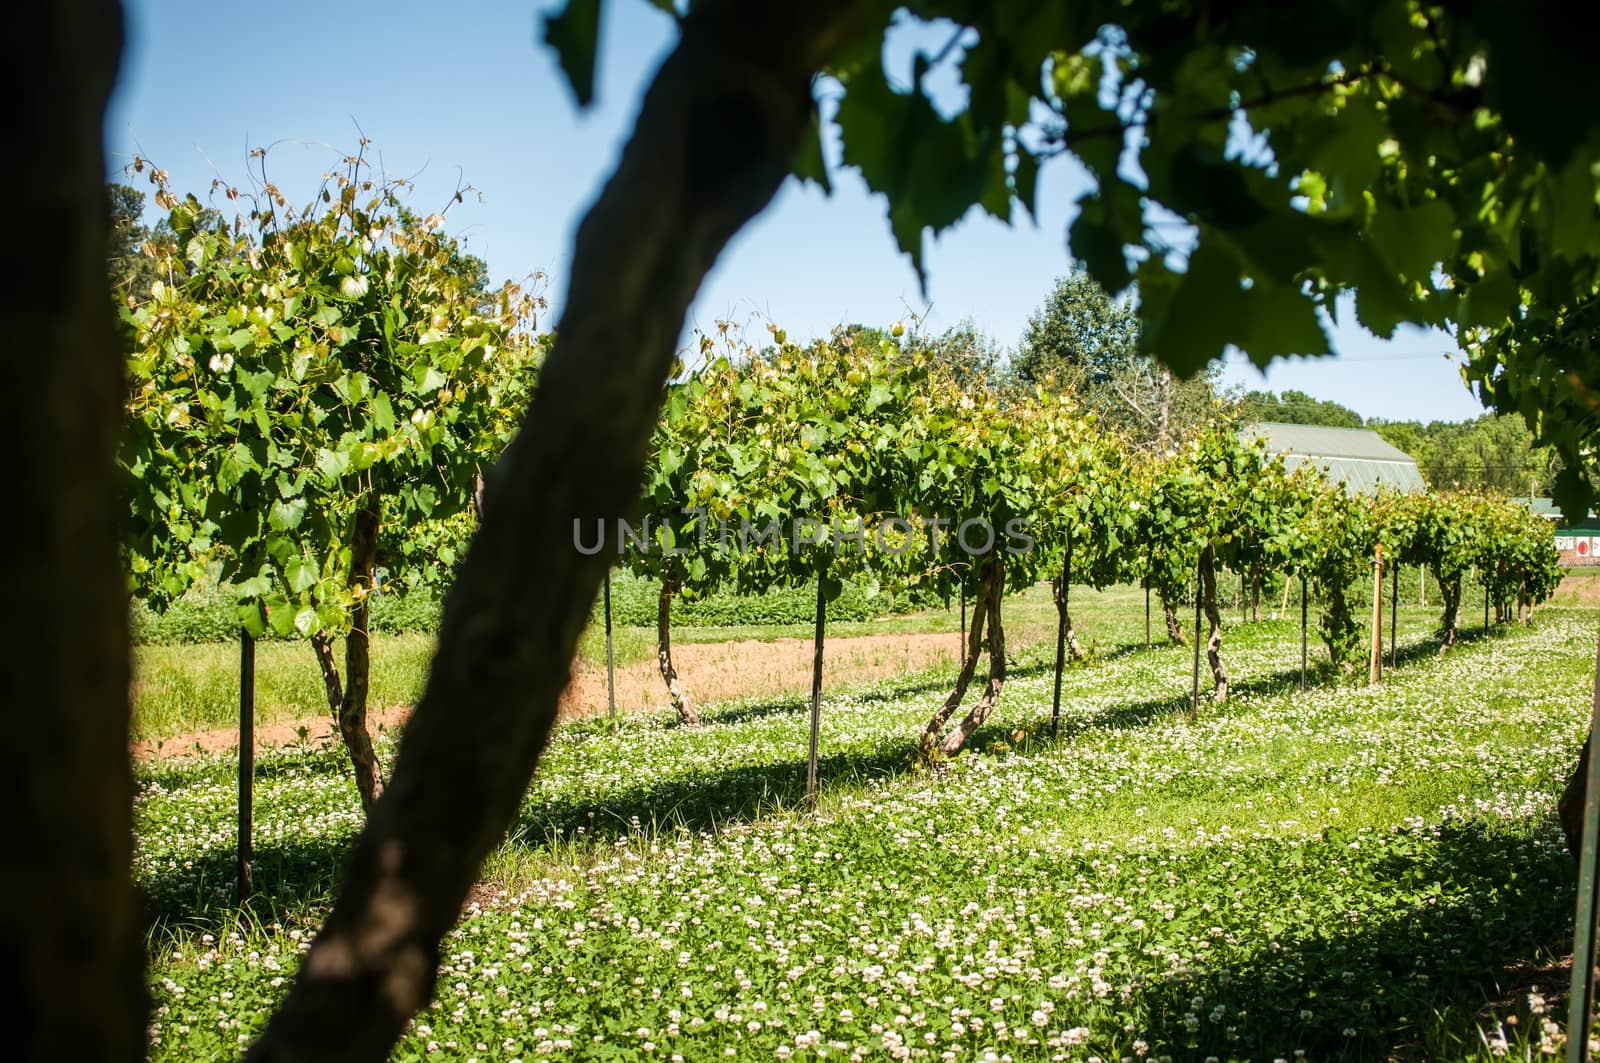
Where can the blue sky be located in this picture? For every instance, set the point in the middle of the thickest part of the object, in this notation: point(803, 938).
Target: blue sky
point(464, 93)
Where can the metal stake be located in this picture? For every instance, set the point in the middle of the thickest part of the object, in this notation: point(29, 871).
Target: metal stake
point(1394, 617)
point(1375, 650)
point(1147, 612)
point(1061, 632)
point(816, 690)
point(611, 660)
point(1199, 585)
point(247, 757)
point(1303, 652)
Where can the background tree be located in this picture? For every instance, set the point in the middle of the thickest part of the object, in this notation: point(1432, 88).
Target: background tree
point(1081, 337)
point(1154, 408)
point(1495, 453)
point(1088, 343)
point(1297, 407)
point(965, 351)
point(132, 270)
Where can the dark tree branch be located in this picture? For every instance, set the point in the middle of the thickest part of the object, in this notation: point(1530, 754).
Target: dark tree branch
point(71, 933)
point(740, 78)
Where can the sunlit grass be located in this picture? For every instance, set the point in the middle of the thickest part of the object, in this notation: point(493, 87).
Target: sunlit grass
point(186, 688)
point(1347, 871)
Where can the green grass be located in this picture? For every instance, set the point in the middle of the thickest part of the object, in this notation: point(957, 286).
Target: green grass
point(194, 687)
point(184, 688)
point(1348, 872)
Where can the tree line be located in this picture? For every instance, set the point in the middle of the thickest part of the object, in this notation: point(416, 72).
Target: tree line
point(1493, 452)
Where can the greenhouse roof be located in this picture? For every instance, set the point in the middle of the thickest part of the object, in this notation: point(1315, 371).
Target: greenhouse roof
point(1547, 508)
point(1542, 507)
point(1357, 457)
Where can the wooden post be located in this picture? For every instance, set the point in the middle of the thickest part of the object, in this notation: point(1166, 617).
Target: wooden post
point(247, 757)
point(611, 660)
point(1061, 632)
point(816, 690)
point(1199, 592)
point(1244, 600)
point(1303, 614)
point(1375, 652)
point(1394, 617)
point(1486, 606)
point(1422, 586)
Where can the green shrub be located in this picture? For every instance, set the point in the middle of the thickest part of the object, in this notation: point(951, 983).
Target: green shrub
point(633, 602)
point(196, 617)
point(207, 616)
point(402, 614)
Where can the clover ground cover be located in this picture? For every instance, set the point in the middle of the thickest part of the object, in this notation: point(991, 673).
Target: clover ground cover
point(1339, 873)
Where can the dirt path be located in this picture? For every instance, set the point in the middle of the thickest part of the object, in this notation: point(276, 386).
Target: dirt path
point(712, 672)
point(1578, 588)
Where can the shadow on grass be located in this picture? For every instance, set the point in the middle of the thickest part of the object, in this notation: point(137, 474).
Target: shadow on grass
point(746, 712)
point(1456, 914)
point(288, 878)
point(1320, 672)
point(710, 802)
point(707, 803)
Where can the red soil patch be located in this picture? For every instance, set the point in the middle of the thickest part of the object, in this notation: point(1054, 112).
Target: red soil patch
point(711, 672)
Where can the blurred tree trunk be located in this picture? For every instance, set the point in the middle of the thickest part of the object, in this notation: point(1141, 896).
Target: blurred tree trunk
point(741, 74)
point(71, 932)
point(1570, 806)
